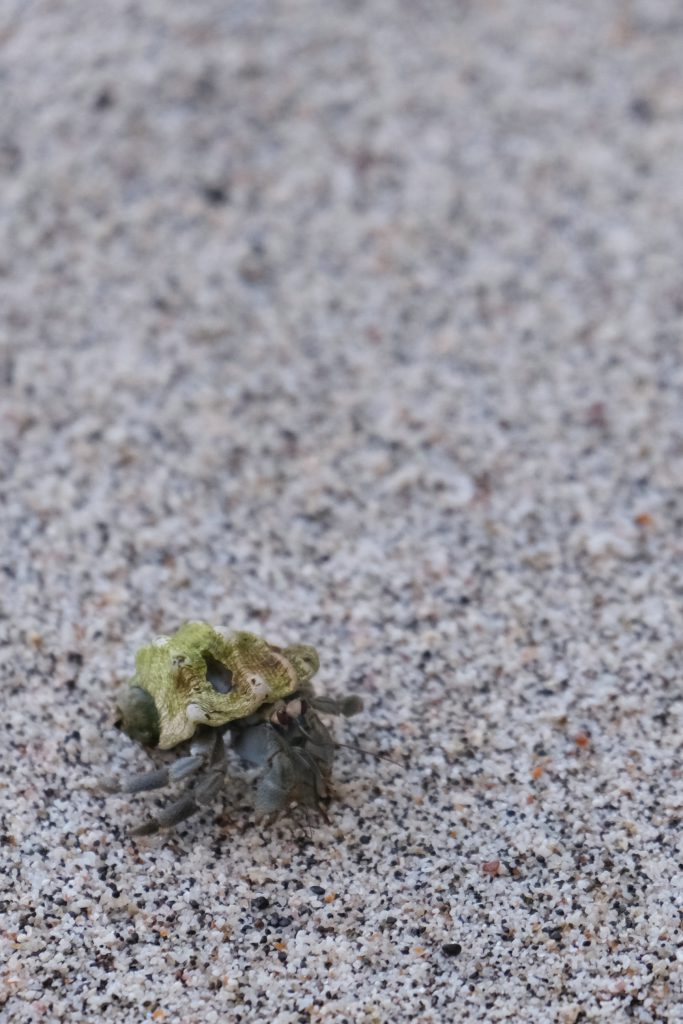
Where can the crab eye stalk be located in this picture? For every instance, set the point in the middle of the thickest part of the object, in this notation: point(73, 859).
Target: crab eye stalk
point(139, 717)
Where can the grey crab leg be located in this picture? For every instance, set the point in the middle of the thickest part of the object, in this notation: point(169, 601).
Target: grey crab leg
point(194, 800)
point(274, 787)
point(294, 749)
point(281, 777)
point(170, 816)
point(257, 744)
point(347, 706)
point(319, 745)
point(201, 751)
point(292, 774)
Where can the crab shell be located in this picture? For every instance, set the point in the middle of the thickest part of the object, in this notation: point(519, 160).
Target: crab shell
point(201, 675)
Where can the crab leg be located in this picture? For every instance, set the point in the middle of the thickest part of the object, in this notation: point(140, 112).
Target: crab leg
point(195, 799)
point(201, 751)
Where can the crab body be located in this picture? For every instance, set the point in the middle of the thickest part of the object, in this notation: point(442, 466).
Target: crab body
point(205, 685)
point(294, 749)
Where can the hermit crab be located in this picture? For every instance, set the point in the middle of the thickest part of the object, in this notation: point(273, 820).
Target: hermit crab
point(204, 685)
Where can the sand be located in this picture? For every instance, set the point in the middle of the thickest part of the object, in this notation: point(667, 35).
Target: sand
point(355, 324)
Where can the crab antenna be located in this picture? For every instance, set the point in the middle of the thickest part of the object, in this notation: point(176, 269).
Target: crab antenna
point(352, 746)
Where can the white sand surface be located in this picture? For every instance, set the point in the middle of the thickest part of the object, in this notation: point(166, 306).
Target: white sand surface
point(358, 324)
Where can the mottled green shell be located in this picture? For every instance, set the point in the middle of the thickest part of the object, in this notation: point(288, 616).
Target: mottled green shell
point(206, 676)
